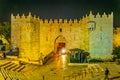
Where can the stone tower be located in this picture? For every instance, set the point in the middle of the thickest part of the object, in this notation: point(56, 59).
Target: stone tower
point(101, 35)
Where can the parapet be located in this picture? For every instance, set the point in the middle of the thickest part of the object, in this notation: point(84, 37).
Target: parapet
point(28, 17)
point(104, 15)
point(75, 21)
point(65, 21)
point(55, 21)
point(98, 15)
point(60, 20)
point(46, 21)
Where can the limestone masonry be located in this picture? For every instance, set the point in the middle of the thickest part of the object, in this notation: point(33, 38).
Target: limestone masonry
point(36, 37)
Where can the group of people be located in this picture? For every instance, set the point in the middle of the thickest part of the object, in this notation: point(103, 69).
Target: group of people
point(3, 49)
point(3, 56)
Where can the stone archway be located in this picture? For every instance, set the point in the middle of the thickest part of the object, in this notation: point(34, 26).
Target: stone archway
point(60, 42)
point(59, 46)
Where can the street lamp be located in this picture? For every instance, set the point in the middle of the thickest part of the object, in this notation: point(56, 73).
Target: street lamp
point(63, 51)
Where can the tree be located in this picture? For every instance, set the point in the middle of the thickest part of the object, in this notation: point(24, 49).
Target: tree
point(116, 52)
point(5, 30)
point(86, 53)
point(1, 42)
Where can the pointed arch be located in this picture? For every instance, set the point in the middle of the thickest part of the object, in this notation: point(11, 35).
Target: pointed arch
point(59, 42)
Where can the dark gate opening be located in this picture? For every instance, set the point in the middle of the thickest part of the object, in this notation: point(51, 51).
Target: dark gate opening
point(59, 47)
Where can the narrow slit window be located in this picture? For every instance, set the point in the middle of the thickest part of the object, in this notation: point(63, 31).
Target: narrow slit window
point(60, 30)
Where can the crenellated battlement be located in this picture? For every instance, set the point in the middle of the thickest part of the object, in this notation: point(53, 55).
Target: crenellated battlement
point(23, 17)
point(54, 21)
point(65, 21)
point(104, 15)
point(46, 21)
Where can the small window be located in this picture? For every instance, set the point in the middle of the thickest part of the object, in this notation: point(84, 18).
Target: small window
point(60, 30)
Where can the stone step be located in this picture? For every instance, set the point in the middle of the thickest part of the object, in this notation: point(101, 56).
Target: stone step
point(5, 74)
point(10, 64)
point(1, 77)
point(9, 68)
point(15, 68)
point(13, 75)
point(99, 67)
point(6, 63)
point(20, 68)
point(10, 74)
point(9, 71)
point(95, 68)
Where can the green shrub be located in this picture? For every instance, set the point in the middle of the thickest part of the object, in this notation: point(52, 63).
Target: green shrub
point(114, 58)
point(95, 60)
point(1, 42)
point(116, 52)
point(108, 60)
point(74, 60)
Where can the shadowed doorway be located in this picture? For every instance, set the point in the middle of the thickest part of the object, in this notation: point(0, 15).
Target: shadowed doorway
point(59, 47)
point(60, 42)
point(60, 57)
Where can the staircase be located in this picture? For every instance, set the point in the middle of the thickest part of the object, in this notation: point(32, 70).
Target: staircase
point(12, 71)
point(92, 72)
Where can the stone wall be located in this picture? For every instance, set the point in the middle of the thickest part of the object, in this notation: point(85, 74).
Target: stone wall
point(34, 36)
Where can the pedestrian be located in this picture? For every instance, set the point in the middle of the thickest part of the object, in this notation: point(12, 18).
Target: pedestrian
point(4, 55)
point(107, 72)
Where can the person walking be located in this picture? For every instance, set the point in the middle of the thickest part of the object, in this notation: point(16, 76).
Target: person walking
point(4, 55)
point(107, 72)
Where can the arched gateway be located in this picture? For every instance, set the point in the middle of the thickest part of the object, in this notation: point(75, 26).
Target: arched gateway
point(60, 42)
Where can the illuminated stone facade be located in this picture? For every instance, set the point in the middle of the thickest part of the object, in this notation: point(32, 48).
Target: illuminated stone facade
point(35, 36)
point(101, 38)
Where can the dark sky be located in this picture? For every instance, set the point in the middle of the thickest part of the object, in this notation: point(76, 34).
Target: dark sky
point(59, 8)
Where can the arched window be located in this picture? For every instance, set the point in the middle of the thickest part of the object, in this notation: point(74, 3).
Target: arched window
point(91, 25)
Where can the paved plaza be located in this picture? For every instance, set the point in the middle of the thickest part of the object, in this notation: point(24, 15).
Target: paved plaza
point(58, 69)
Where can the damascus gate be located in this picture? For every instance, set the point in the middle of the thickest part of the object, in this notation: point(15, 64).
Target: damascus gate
point(36, 37)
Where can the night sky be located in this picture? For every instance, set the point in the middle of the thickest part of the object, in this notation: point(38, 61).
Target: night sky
point(65, 9)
